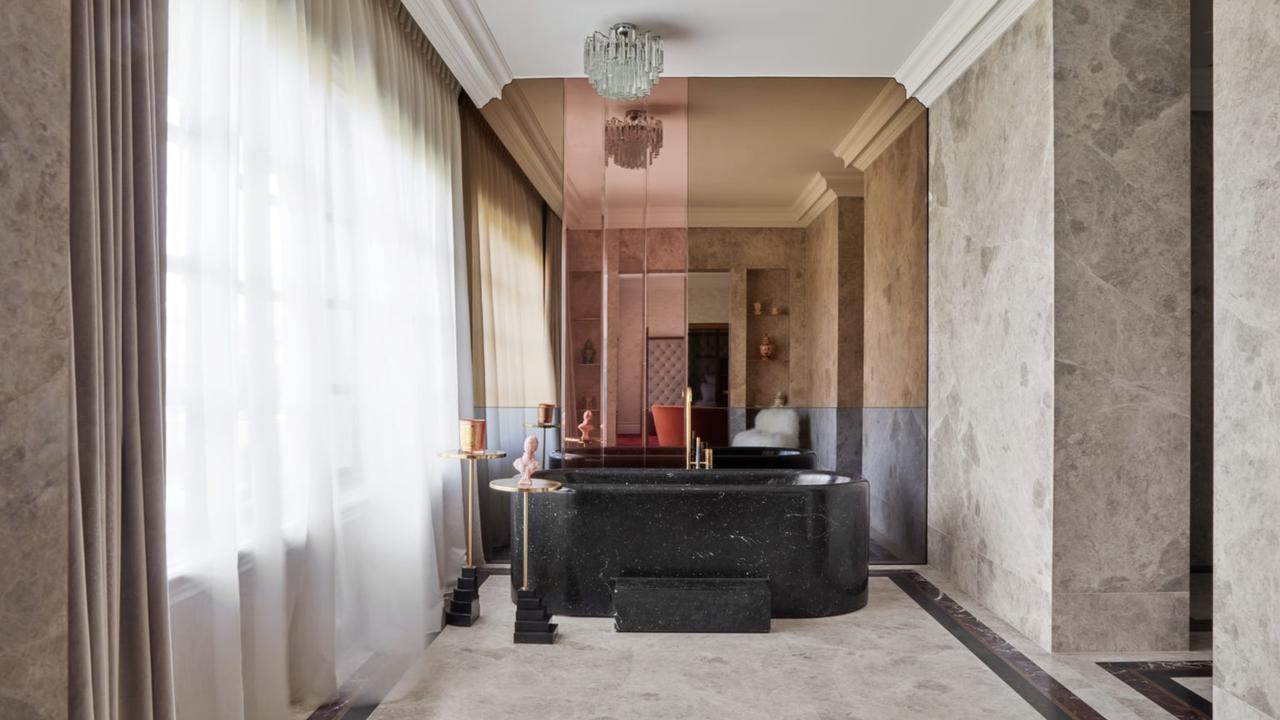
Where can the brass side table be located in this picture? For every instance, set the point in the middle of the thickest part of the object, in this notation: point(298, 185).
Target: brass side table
point(533, 622)
point(464, 607)
point(544, 427)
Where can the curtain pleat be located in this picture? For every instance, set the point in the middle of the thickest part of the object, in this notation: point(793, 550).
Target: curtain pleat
point(512, 353)
point(119, 654)
point(312, 170)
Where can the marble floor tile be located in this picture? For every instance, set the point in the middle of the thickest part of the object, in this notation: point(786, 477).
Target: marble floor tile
point(900, 657)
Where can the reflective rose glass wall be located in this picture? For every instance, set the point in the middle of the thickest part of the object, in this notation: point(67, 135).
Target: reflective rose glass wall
point(626, 267)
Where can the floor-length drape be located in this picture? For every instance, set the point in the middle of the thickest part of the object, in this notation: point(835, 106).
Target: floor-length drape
point(511, 352)
point(312, 360)
point(118, 610)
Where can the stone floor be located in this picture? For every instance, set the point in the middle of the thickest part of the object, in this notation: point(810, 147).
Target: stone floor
point(894, 659)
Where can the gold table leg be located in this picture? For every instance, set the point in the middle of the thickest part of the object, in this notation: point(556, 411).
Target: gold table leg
point(471, 493)
point(524, 545)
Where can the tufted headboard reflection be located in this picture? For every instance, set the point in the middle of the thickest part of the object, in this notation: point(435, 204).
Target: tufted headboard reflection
point(668, 371)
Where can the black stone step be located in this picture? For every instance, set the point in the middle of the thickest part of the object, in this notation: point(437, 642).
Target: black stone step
point(464, 605)
point(692, 605)
point(462, 615)
point(540, 637)
point(538, 626)
point(533, 615)
point(529, 603)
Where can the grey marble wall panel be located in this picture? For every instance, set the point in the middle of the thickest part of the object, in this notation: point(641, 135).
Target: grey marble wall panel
point(991, 375)
point(894, 462)
point(35, 381)
point(1246, 113)
point(1121, 144)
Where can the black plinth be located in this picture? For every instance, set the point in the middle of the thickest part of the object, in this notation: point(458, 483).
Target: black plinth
point(533, 622)
point(691, 605)
point(464, 608)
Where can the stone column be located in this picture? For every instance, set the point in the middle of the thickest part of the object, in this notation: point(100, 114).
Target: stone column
point(1122, 298)
point(35, 356)
point(1246, 531)
point(1059, 325)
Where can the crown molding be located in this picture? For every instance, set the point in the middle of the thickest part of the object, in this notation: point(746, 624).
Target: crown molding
point(457, 31)
point(514, 123)
point(818, 194)
point(888, 116)
point(965, 30)
point(823, 190)
point(877, 115)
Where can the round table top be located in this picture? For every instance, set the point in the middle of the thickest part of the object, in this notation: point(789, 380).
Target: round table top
point(512, 484)
point(544, 426)
point(474, 454)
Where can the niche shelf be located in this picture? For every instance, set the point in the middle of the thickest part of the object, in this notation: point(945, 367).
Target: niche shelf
point(764, 378)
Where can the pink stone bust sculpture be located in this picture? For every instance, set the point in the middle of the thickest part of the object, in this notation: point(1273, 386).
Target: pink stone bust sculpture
point(527, 464)
point(586, 427)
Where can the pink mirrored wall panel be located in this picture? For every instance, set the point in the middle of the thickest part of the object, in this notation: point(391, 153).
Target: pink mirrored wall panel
point(626, 214)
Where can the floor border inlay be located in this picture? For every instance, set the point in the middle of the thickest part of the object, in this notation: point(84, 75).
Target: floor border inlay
point(1155, 681)
point(1049, 697)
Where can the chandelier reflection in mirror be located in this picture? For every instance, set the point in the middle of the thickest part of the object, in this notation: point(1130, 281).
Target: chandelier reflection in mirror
point(624, 64)
point(634, 142)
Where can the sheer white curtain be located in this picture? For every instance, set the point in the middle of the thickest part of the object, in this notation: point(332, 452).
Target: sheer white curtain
point(311, 346)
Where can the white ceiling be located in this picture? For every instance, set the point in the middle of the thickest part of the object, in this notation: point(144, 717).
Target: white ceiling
point(719, 38)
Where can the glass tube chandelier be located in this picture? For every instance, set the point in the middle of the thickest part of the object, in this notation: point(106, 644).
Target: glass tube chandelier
point(624, 64)
point(633, 142)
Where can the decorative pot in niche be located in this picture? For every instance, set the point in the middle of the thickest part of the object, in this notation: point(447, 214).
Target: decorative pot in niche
point(766, 348)
point(588, 353)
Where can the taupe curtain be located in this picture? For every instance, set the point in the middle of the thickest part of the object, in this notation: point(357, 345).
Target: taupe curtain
point(552, 263)
point(118, 613)
point(510, 343)
point(512, 362)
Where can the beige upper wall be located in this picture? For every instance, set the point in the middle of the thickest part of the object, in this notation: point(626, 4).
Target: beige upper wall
point(754, 144)
point(758, 142)
point(897, 226)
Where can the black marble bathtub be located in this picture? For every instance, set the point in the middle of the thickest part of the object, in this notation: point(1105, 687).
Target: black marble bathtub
point(805, 531)
point(725, 458)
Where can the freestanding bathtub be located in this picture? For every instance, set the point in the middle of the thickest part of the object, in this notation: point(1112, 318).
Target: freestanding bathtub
point(805, 531)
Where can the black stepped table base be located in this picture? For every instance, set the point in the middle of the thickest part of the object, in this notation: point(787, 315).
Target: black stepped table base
point(691, 605)
point(464, 607)
point(533, 622)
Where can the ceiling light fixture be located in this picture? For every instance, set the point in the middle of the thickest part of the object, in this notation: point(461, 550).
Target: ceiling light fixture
point(633, 143)
point(624, 64)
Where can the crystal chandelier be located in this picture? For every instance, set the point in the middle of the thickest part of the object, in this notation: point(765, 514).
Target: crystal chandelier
point(633, 143)
point(624, 64)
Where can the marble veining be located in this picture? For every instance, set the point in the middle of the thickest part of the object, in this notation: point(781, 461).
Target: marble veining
point(1246, 614)
point(991, 319)
point(1059, 325)
point(35, 357)
point(805, 531)
point(1121, 144)
point(889, 660)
